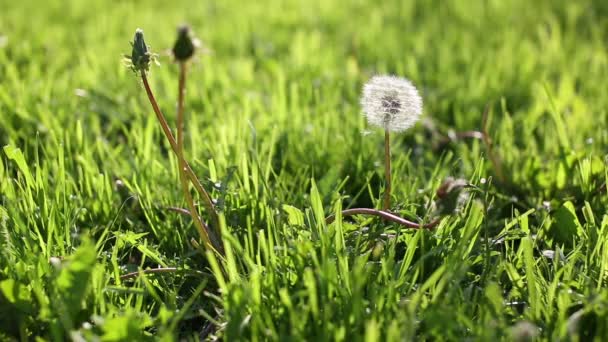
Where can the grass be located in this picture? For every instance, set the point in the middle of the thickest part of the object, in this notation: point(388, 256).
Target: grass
point(275, 129)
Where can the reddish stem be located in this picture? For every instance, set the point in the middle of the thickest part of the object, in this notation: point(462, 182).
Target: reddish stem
point(165, 126)
point(202, 228)
point(148, 271)
point(385, 215)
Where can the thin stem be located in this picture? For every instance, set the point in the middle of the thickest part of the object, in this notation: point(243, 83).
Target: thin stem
point(180, 110)
point(148, 271)
point(601, 188)
point(387, 170)
point(385, 215)
point(486, 226)
point(159, 270)
point(494, 159)
point(207, 202)
point(178, 210)
point(460, 135)
point(203, 230)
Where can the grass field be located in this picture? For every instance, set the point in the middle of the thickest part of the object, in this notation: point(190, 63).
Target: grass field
point(275, 130)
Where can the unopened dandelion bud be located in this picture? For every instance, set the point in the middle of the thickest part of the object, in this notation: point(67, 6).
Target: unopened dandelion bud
point(391, 102)
point(185, 45)
point(140, 55)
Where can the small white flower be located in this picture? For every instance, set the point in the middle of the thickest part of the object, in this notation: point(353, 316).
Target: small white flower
point(391, 102)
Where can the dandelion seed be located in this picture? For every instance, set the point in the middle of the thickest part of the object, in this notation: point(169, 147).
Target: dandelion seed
point(80, 92)
point(391, 102)
point(55, 261)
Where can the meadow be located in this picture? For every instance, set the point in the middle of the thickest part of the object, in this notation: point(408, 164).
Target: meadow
point(93, 241)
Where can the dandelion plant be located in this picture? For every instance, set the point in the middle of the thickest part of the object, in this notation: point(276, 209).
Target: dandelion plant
point(392, 103)
point(139, 61)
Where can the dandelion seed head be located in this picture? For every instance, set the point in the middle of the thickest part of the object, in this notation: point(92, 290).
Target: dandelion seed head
point(391, 102)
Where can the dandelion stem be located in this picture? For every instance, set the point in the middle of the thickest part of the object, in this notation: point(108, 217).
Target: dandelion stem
point(601, 188)
point(180, 111)
point(178, 210)
point(487, 140)
point(452, 137)
point(387, 170)
point(203, 230)
point(148, 271)
point(187, 169)
point(157, 271)
point(385, 215)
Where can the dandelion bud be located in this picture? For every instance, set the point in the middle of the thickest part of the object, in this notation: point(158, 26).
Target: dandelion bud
point(391, 102)
point(140, 54)
point(185, 45)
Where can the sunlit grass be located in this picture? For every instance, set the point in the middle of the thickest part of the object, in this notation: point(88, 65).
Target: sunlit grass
point(87, 180)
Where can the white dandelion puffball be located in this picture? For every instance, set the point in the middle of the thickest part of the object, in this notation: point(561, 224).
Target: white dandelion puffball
point(391, 102)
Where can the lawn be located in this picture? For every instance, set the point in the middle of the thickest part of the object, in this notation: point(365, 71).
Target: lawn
point(96, 242)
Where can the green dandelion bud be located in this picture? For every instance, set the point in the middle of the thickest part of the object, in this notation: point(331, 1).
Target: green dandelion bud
point(140, 54)
point(185, 45)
